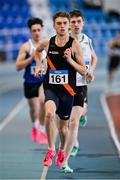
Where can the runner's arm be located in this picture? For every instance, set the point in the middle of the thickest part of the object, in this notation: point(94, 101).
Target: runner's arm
point(90, 75)
point(22, 61)
point(93, 62)
point(42, 46)
point(93, 58)
point(79, 64)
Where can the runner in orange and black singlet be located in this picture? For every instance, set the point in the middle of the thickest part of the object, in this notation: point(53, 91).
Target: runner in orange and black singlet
point(59, 84)
point(59, 73)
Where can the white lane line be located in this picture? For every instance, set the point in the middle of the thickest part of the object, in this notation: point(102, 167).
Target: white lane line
point(44, 173)
point(110, 123)
point(12, 114)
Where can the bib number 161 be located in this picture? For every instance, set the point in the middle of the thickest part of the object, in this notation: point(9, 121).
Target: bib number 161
point(58, 77)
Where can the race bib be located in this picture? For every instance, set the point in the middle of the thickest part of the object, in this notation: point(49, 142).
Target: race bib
point(81, 80)
point(87, 63)
point(58, 77)
point(32, 70)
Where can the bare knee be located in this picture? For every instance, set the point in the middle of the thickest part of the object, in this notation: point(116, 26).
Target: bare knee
point(49, 116)
point(74, 123)
point(63, 129)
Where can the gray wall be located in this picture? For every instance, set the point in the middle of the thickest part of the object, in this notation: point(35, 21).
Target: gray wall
point(111, 5)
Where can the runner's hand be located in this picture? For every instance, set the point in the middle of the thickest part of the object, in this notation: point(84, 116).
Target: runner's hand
point(67, 54)
point(38, 71)
point(90, 76)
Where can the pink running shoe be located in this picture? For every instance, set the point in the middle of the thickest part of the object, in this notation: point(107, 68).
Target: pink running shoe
point(49, 157)
point(34, 135)
point(60, 158)
point(42, 138)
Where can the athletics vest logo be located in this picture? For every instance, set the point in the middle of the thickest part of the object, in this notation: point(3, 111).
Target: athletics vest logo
point(53, 52)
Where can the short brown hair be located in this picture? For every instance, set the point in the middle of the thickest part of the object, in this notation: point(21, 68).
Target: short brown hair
point(76, 13)
point(33, 21)
point(61, 14)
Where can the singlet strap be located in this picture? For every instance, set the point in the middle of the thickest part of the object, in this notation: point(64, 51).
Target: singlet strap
point(31, 46)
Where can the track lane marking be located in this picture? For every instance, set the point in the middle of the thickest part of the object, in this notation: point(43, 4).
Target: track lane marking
point(110, 123)
point(12, 114)
point(44, 173)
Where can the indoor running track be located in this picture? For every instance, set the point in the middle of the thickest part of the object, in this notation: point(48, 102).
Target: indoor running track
point(22, 159)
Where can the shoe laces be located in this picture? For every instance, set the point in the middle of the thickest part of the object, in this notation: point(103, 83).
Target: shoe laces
point(43, 135)
point(49, 155)
point(61, 155)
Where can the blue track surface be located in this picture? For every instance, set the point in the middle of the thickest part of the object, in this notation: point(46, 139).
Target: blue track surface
point(22, 159)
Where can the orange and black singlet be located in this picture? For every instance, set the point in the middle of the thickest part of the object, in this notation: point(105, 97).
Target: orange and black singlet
point(60, 76)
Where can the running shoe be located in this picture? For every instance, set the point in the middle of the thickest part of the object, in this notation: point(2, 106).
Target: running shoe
point(74, 151)
point(34, 135)
point(83, 121)
point(66, 168)
point(42, 138)
point(49, 157)
point(60, 158)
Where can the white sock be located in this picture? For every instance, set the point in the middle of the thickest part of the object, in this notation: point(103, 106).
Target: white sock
point(42, 128)
point(37, 123)
point(65, 163)
point(76, 143)
point(51, 148)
